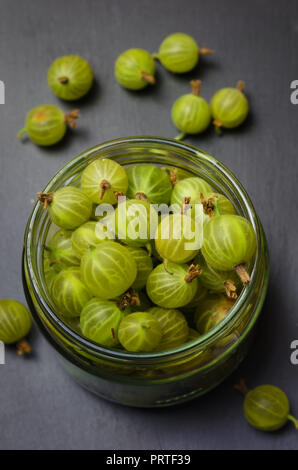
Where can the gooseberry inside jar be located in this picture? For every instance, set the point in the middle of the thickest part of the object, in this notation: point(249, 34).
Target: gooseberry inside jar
point(160, 377)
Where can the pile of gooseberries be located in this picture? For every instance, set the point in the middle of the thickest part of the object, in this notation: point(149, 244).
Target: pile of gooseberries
point(139, 290)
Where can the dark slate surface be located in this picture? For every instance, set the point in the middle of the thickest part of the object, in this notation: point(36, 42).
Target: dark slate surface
point(40, 407)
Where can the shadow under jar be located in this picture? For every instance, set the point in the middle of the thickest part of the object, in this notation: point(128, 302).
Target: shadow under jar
point(162, 378)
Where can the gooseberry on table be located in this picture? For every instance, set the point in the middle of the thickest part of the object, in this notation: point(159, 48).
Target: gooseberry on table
point(46, 125)
point(100, 320)
point(101, 179)
point(70, 77)
point(148, 182)
point(266, 407)
point(229, 243)
point(229, 107)
point(174, 327)
point(177, 238)
point(144, 266)
point(135, 69)
point(69, 293)
point(211, 311)
point(15, 324)
point(88, 235)
point(60, 250)
point(139, 332)
point(108, 270)
point(174, 286)
point(68, 207)
point(191, 113)
point(179, 53)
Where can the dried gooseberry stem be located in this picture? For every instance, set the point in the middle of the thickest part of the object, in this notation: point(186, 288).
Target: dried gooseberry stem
point(23, 347)
point(242, 273)
point(208, 206)
point(63, 80)
point(130, 297)
point(71, 117)
point(193, 272)
point(148, 78)
point(104, 185)
point(231, 289)
point(242, 387)
point(118, 194)
point(141, 197)
point(21, 133)
point(206, 50)
point(294, 420)
point(173, 177)
point(196, 87)
point(45, 199)
point(185, 205)
point(240, 85)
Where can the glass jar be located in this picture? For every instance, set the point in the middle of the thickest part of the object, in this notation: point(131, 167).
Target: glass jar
point(162, 378)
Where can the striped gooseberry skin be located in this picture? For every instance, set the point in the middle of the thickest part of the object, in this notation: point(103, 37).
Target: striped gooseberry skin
point(132, 67)
point(133, 224)
point(179, 53)
point(69, 293)
point(224, 205)
point(191, 114)
point(49, 272)
point(70, 77)
point(88, 235)
point(200, 295)
point(229, 240)
point(211, 311)
point(139, 332)
point(45, 125)
point(97, 174)
point(100, 320)
point(171, 238)
point(173, 325)
point(190, 187)
point(60, 250)
point(169, 289)
point(266, 408)
point(229, 106)
point(144, 266)
point(212, 278)
point(69, 207)
point(108, 270)
point(150, 181)
point(15, 321)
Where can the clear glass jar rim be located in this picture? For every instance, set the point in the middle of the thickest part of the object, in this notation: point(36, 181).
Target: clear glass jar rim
point(204, 340)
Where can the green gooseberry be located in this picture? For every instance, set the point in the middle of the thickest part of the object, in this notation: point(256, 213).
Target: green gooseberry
point(46, 125)
point(191, 113)
point(229, 242)
point(69, 293)
point(135, 221)
point(139, 332)
point(144, 266)
point(191, 188)
point(87, 235)
point(267, 407)
point(216, 202)
point(174, 327)
point(174, 286)
point(100, 320)
point(193, 335)
point(15, 324)
point(177, 238)
point(61, 252)
point(176, 174)
point(218, 281)
point(108, 270)
point(179, 53)
point(68, 207)
point(135, 69)
point(200, 295)
point(229, 107)
point(144, 303)
point(101, 179)
point(149, 182)
point(211, 311)
point(70, 77)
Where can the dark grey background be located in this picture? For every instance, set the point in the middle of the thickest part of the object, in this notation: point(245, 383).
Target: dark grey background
point(256, 40)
